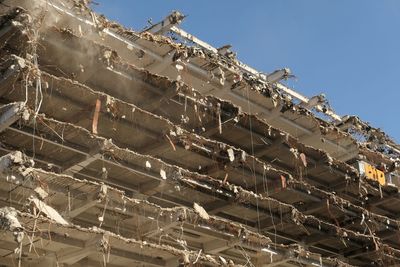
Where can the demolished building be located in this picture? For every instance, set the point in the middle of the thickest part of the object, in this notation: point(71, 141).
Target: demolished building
point(153, 148)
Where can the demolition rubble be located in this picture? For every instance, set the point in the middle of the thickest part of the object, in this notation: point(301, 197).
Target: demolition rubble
point(153, 148)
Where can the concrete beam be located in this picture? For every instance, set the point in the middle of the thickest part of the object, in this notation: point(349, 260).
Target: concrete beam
point(218, 206)
point(266, 150)
point(151, 188)
point(312, 207)
point(81, 164)
point(160, 66)
point(90, 246)
point(47, 261)
point(10, 113)
point(277, 263)
point(315, 239)
point(214, 247)
point(150, 231)
point(82, 208)
point(73, 255)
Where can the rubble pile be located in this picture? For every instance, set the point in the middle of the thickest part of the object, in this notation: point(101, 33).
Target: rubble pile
point(153, 148)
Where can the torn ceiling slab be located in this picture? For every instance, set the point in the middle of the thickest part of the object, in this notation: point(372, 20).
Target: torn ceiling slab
point(153, 148)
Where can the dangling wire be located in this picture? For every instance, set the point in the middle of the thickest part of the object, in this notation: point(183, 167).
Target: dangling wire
point(38, 89)
point(253, 158)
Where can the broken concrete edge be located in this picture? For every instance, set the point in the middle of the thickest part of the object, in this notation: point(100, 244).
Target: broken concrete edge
point(238, 195)
point(12, 112)
point(16, 108)
point(189, 51)
point(16, 160)
point(176, 84)
point(290, 179)
point(16, 17)
point(119, 153)
point(208, 102)
point(176, 172)
point(326, 127)
point(170, 125)
point(331, 162)
point(323, 123)
point(9, 222)
point(371, 134)
point(12, 218)
point(176, 133)
point(343, 204)
point(379, 158)
point(228, 63)
point(119, 64)
point(180, 46)
point(13, 165)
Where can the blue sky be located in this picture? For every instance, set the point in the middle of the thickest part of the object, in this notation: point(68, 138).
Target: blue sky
point(347, 49)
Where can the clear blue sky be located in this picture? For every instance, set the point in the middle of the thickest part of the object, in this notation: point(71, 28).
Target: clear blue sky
point(347, 49)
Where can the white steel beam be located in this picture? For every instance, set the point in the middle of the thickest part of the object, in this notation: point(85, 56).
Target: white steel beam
point(165, 25)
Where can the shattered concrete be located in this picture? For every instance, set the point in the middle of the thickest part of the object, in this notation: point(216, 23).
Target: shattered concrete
point(153, 148)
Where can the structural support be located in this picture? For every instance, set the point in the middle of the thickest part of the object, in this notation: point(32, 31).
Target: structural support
point(82, 208)
point(10, 113)
point(165, 25)
point(80, 165)
point(272, 147)
point(214, 247)
point(150, 230)
point(277, 263)
point(218, 206)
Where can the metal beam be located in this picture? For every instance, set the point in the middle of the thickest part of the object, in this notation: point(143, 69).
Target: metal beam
point(193, 39)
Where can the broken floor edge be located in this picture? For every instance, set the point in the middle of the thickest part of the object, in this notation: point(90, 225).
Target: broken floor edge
point(18, 158)
point(235, 191)
point(327, 127)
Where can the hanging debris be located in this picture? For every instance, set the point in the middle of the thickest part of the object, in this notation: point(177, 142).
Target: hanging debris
point(155, 148)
